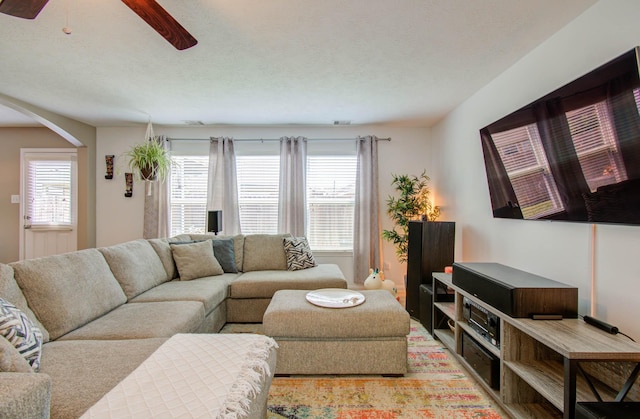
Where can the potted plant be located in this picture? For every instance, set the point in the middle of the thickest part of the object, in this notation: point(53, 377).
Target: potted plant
point(150, 159)
point(413, 203)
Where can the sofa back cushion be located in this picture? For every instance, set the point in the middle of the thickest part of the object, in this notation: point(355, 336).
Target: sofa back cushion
point(136, 266)
point(10, 291)
point(162, 248)
point(69, 290)
point(264, 252)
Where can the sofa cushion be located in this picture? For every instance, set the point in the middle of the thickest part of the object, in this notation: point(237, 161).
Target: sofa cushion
point(85, 370)
point(195, 260)
point(69, 290)
point(264, 284)
point(25, 395)
point(238, 245)
point(20, 331)
point(210, 291)
point(162, 248)
point(298, 253)
point(143, 320)
point(136, 266)
point(10, 359)
point(224, 253)
point(10, 291)
point(263, 252)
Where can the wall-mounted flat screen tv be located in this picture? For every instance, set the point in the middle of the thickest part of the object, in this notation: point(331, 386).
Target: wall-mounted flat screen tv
point(573, 154)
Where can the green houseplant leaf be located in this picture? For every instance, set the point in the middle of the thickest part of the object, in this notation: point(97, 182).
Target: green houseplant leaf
point(150, 159)
point(413, 203)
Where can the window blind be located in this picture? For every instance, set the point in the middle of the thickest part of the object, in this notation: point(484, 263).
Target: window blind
point(258, 181)
point(330, 201)
point(188, 189)
point(49, 192)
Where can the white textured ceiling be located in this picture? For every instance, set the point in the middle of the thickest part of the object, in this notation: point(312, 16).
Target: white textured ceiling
point(270, 61)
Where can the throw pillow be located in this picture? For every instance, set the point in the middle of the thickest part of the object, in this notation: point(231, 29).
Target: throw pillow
point(299, 254)
point(195, 260)
point(224, 253)
point(20, 331)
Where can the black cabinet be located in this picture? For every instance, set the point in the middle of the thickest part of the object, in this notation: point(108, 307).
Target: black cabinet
point(431, 248)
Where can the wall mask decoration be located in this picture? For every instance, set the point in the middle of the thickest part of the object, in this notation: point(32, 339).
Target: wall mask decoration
point(109, 161)
point(128, 177)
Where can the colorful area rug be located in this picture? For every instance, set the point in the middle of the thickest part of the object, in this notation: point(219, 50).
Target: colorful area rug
point(435, 387)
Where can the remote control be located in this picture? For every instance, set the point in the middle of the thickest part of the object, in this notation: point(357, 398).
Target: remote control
point(600, 324)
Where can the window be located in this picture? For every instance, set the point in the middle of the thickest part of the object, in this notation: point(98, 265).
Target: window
point(189, 194)
point(331, 174)
point(330, 201)
point(49, 191)
point(258, 181)
point(521, 152)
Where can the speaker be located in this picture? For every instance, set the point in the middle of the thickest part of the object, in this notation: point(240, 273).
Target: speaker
point(514, 292)
point(426, 307)
point(430, 249)
point(214, 221)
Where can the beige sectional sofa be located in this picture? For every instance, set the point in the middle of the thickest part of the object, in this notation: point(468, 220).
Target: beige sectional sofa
point(103, 312)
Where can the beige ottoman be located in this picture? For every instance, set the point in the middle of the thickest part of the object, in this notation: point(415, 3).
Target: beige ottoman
point(367, 339)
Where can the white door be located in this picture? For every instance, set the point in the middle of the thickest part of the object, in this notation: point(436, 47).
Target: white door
point(48, 204)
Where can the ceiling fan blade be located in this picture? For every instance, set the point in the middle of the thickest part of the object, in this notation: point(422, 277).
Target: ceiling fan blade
point(25, 9)
point(160, 20)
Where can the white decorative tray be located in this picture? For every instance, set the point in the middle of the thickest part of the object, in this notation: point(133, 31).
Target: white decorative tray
point(335, 298)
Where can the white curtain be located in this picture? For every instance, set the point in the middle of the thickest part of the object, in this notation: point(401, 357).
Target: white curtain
point(156, 204)
point(222, 188)
point(292, 191)
point(366, 235)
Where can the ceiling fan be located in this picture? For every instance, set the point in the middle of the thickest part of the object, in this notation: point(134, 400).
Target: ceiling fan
point(149, 10)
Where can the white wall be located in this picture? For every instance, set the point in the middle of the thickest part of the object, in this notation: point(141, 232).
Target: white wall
point(557, 250)
point(119, 219)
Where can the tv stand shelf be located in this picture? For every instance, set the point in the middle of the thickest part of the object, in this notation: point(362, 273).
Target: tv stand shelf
point(539, 359)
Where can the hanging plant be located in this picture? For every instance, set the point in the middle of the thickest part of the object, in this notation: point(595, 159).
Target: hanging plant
point(150, 159)
point(413, 203)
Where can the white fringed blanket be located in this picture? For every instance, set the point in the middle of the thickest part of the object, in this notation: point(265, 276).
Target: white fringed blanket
point(194, 376)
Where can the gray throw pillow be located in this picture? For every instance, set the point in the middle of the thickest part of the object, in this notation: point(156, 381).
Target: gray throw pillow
point(195, 260)
point(224, 253)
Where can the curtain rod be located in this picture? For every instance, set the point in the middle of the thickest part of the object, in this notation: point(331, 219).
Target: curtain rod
point(270, 139)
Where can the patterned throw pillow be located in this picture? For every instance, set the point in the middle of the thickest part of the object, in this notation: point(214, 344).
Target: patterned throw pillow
point(18, 329)
point(299, 254)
